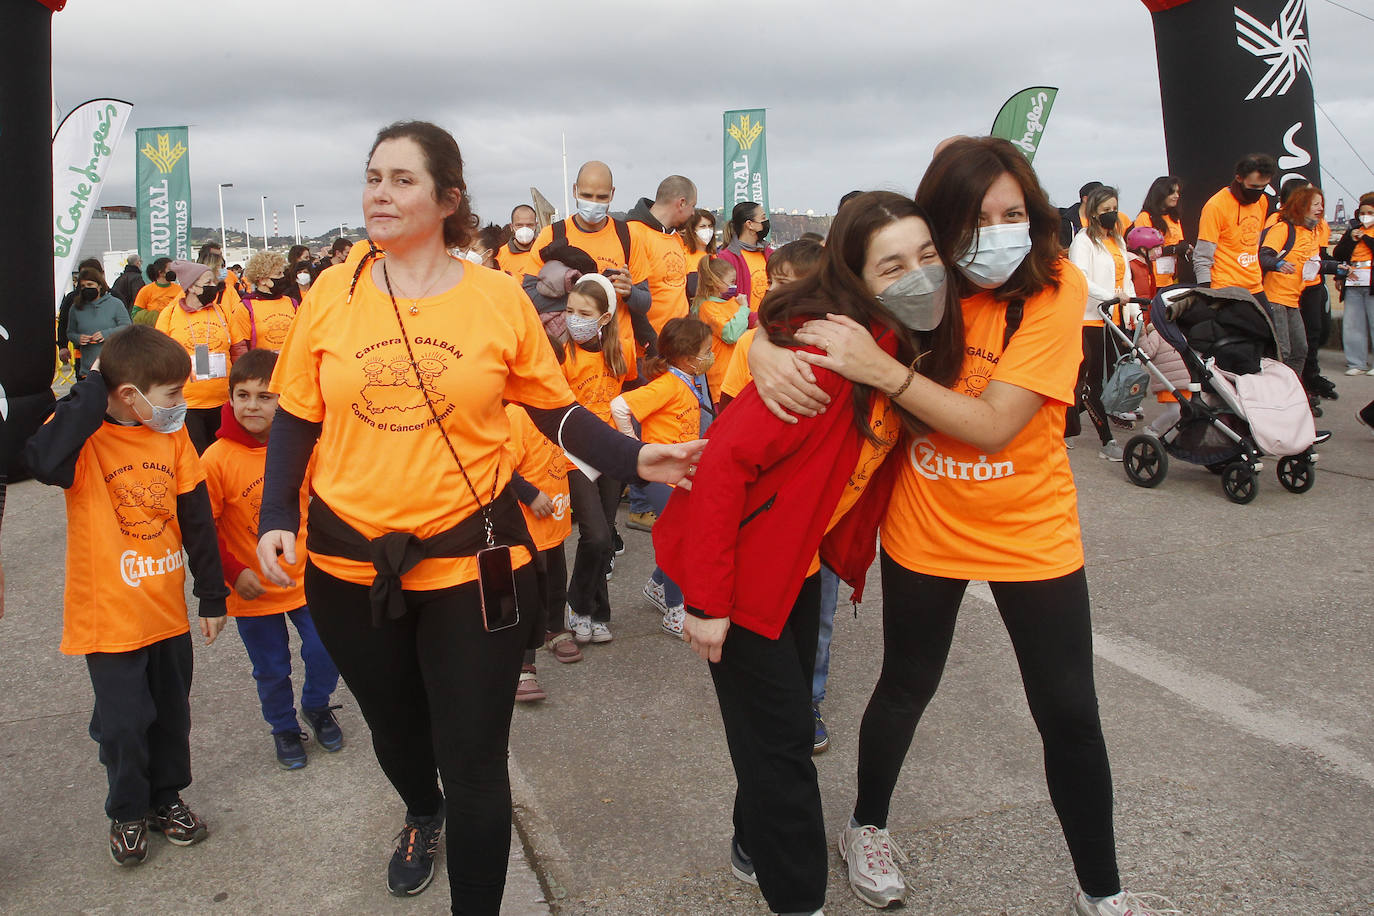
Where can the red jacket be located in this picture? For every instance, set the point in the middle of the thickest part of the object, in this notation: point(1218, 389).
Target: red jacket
point(740, 541)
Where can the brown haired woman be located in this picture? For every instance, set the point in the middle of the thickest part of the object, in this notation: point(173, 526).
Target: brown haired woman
point(94, 316)
point(398, 368)
point(768, 505)
point(994, 452)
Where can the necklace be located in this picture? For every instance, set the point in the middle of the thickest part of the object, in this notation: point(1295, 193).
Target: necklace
point(415, 300)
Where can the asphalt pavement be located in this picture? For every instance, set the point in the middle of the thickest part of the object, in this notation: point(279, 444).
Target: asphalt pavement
point(1233, 647)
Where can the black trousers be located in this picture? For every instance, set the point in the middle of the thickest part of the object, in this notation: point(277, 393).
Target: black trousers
point(1051, 632)
point(555, 595)
point(764, 690)
point(201, 425)
point(437, 691)
point(593, 505)
point(142, 722)
point(1090, 384)
point(1316, 319)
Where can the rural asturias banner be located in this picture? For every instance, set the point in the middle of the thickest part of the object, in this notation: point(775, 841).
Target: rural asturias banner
point(163, 186)
point(746, 158)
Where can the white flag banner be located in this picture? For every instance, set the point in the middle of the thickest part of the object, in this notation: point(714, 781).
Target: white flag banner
point(82, 147)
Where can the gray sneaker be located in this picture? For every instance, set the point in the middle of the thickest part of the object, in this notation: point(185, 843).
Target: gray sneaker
point(1111, 451)
point(870, 855)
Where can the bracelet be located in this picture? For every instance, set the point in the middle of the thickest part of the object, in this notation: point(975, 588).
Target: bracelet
point(910, 374)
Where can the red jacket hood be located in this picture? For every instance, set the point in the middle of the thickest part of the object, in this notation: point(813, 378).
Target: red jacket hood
point(230, 428)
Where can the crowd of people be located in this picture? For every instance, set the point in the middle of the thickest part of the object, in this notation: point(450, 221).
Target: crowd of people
point(439, 403)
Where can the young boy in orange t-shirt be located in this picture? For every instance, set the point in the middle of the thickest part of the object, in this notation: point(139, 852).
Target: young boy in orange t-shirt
point(235, 466)
point(135, 498)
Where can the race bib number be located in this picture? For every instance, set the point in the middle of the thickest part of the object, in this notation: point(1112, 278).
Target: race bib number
point(1310, 268)
point(1166, 265)
point(210, 365)
point(1359, 274)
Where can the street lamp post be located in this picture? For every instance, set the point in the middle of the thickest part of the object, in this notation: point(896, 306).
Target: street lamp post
point(223, 236)
point(247, 236)
point(298, 229)
point(295, 222)
point(264, 222)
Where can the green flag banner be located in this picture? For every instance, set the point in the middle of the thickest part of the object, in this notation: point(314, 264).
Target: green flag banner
point(1023, 118)
point(746, 158)
point(163, 186)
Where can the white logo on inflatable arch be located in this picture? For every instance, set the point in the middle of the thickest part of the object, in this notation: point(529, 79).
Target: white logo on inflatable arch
point(1282, 45)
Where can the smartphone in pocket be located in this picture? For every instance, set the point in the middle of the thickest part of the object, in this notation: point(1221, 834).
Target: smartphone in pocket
point(496, 584)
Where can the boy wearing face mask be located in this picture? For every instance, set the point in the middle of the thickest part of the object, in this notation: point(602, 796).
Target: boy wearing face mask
point(136, 498)
point(517, 257)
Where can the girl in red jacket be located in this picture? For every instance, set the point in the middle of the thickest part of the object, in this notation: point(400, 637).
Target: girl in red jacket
point(770, 500)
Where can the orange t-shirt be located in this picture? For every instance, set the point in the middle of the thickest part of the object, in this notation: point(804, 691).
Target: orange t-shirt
point(737, 375)
point(518, 263)
point(603, 246)
point(883, 420)
point(217, 326)
point(1286, 289)
point(666, 267)
point(667, 410)
point(233, 475)
point(716, 313)
point(1323, 234)
point(126, 574)
point(543, 464)
point(270, 319)
point(757, 263)
point(591, 381)
point(154, 298)
point(1173, 234)
point(380, 465)
point(1235, 230)
point(1012, 516)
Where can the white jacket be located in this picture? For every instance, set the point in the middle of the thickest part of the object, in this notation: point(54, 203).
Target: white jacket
point(1099, 267)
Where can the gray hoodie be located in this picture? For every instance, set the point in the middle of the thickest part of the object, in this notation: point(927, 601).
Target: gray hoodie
point(106, 315)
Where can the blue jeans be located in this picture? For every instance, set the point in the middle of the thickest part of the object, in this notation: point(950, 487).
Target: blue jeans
point(1357, 328)
point(269, 649)
point(658, 494)
point(830, 596)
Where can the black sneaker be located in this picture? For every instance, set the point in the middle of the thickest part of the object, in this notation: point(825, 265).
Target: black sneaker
point(821, 743)
point(1323, 387)
point(179, 824)
point(1322, 436)
point(290, 750)
point(412, 864)
point(129, 842)
point(325, 726)
point(617, 544)
point(741, 866)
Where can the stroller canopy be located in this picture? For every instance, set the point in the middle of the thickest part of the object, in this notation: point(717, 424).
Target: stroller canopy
point(1229, 325)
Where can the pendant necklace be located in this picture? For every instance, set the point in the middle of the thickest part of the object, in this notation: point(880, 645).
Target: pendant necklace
point(415, 302)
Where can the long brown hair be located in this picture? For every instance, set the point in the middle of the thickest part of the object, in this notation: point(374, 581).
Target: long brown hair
point(444, 162)
point(952, 192)
point(837, 287)
point(609, 335)
point(689, 232)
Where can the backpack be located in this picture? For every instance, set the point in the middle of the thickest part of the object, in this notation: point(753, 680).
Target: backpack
point(622, 231)
point(1287, 247)
point(1125, 387)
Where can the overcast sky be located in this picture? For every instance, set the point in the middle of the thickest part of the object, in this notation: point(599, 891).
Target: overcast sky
point(857, 92)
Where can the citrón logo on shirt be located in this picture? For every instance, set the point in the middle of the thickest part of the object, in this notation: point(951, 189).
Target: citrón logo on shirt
point(746, 131)
point(164, 156)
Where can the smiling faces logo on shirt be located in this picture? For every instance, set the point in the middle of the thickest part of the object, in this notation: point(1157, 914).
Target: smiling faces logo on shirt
point(143, 502)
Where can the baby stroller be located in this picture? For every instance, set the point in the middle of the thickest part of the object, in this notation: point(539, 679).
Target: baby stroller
point(1244, 403)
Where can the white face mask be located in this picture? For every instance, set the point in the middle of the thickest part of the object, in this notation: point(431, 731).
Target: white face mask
point(474, 256)
point(705, 234)
point(1367, 219)
point(164, 419)
point(591, 211)
point(302, 279)
point(524, 235)
point(998, 251)
point(582, 329)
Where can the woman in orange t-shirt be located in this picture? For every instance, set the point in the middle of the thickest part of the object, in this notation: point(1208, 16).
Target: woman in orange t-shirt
point(747, 249)
point(987, 494)
point(398, 369)
point(268, 306)
point(1160, 211)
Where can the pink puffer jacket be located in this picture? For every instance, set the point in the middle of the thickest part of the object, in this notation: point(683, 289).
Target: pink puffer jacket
point(1166, 359)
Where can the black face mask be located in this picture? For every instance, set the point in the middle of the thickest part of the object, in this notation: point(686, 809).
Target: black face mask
point(278, 287)
point(89, 294)
point(1245, 195)
point(763, 230)
point(1109, 219)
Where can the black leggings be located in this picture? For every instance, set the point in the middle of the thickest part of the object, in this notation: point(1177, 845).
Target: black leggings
point(437, 691)
point(1090, 380)
point(593, 506)
point(1051, 632)
point(555, 595)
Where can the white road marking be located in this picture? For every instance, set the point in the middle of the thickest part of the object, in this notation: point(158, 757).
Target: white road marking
point(1238, 706)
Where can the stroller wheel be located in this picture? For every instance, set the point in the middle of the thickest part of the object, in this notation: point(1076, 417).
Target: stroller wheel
point(1240, 483)
point(1297, 474)
point(1145, 461)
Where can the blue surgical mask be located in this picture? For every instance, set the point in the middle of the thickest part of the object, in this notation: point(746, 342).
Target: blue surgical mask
point(998, 251)
point(164, 419)
point(592, 211)
point(582, 329)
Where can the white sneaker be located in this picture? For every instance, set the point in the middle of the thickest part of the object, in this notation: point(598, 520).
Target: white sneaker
point(672, 621)
point(1111, 451)
point(873, 876)
point(1353, 371)
point(1123, 904)
point(581, 626)
point(600, 632)
point(654, 592)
